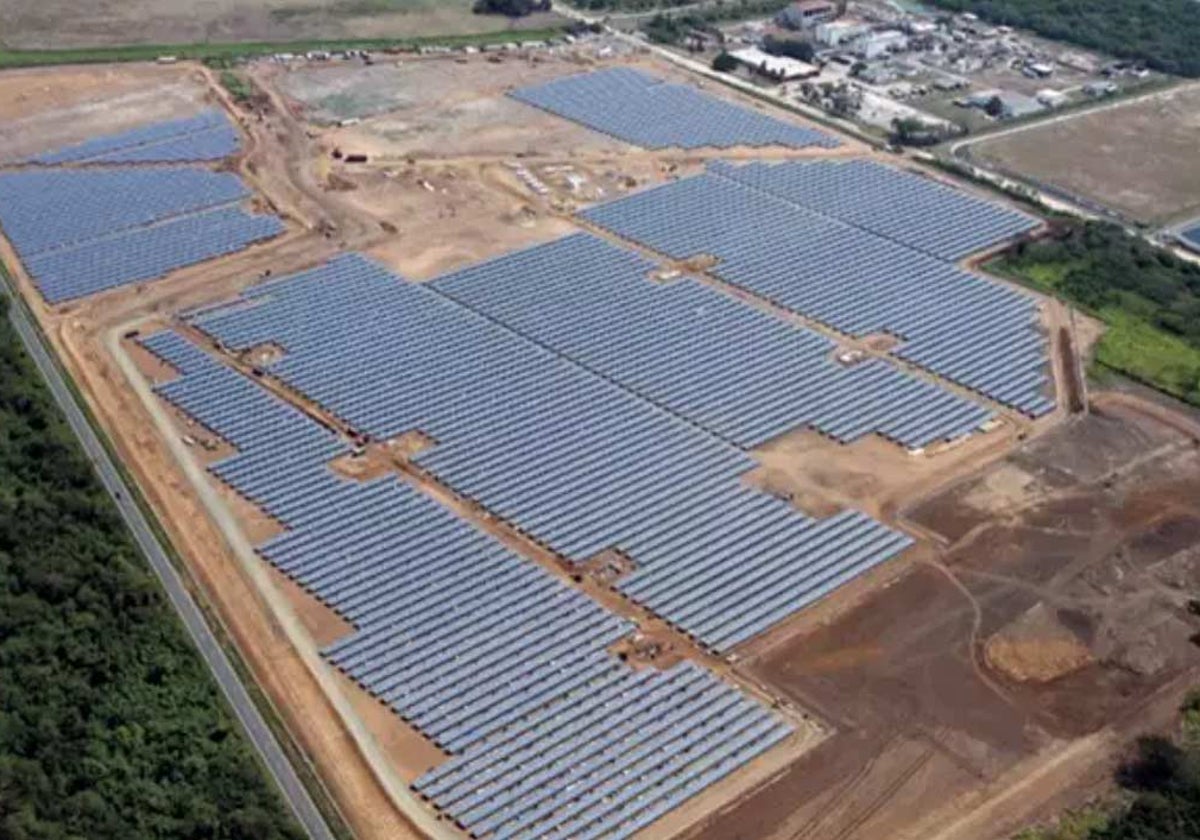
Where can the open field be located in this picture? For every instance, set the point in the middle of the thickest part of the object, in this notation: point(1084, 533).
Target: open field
point(1007, 644)
point(61, 24)
point(1137, 157)
point(1034, 637)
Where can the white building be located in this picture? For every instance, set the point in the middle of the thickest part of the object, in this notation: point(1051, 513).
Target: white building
point(880, 44)
point(838, 32)
point(778, 67)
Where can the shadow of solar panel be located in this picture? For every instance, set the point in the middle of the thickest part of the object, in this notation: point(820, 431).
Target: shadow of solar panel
point(638, 108)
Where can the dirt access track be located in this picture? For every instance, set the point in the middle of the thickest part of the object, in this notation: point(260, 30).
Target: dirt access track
point(892, 674)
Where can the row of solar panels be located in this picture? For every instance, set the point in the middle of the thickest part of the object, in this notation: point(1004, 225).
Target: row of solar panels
point(573, 459)
point(735, 370)
point(81, 231)
point(643, 110)
point(491, 656)
point(915, 211)
point(956, 324)
point(205, 136)
point(1191, 237)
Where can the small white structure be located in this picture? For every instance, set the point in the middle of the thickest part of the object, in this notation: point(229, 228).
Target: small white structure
point(880, 44)
point(1052, 98)
point(837, 32)
point(778, 67)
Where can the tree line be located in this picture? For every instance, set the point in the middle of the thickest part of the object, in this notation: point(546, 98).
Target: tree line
point(1162, 34)
point(110, 727)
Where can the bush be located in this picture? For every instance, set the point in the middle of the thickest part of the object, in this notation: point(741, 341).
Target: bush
point(724, 63)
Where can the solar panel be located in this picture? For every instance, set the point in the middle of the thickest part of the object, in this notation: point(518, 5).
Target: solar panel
point(497, 660)
point(978, 333)
point(82, 231)
point(569, 456)
point(206, 136)
point(641, 109)
point(736, 371)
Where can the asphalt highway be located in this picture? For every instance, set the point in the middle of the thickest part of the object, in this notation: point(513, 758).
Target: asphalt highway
point(247, 713)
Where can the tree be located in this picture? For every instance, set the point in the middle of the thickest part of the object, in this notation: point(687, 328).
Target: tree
point(511, 8)
point(994, 107)
point(788, 47)
point(724, 63)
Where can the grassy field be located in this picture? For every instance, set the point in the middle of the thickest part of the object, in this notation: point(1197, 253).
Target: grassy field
point(1136, 157)
point(70, 25)
point(1133, 344)
point(219, 53)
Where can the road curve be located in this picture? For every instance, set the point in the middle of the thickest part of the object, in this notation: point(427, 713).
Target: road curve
point(247, 713)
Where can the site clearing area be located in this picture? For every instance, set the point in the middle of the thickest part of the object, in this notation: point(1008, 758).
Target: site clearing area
point(1135, 157)
point(564, 473)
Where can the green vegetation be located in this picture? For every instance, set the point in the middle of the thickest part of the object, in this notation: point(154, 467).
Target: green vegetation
point(510, 8)
point(667, 28)
point(109, 724)
point(628, 5)
point(724, 62)
point(237, 86)
point(223, 54)
point(1163, 34)
point(788, 47)
point(1160, 792)
point(1149, 299)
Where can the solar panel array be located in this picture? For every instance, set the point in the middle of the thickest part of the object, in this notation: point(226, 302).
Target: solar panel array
point(915, 211)
point(961, 326)
point(646, 111)
point(206, 136)
point(499, 662)
point(738, 372)
point(1191, 237)
point(80, 231)
point(567, 456)
point(146, 253)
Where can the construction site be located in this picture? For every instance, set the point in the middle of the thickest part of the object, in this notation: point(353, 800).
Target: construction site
point(557, 470)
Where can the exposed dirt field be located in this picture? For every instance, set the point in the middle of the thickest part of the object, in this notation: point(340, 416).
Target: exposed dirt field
point(41, 109)
point(30, 24)
point(442, 107)
point(1138, 158)
point(1002, 642)
point(1072, 560)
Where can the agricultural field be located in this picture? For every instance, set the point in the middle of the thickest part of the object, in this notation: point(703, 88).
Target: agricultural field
point(1137, 157)
point(61, 24)
point(562, 472)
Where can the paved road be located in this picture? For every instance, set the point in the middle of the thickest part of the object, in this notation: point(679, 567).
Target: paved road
point(252, 722)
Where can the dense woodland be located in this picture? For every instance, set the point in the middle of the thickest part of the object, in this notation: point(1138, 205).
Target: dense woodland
point(110, 726)
point(1163, 34)
point(1149, 298)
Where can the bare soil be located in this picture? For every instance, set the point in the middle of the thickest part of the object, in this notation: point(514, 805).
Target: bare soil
point(1137, 158)
point(1072, 559)
point(43, 109)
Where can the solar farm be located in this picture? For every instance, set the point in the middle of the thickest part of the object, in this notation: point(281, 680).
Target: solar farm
point(523, 481)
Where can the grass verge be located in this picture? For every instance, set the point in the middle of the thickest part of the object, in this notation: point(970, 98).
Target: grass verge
point(1130, 345)
point(220, 53)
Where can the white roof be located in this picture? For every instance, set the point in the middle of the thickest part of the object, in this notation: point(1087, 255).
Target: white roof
point(776, 65)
